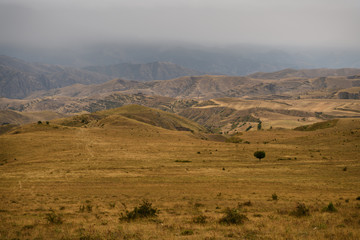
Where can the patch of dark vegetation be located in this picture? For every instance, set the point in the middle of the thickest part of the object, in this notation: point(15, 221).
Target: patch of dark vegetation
point(301, 210)
point(54, 218)
point(201, 219)
point(232, 216)
point(183, 161)
point(86, 207)
point(244, 204)
point(187, 232)
point(274, 197)
point(248, 128)
point(144, 210)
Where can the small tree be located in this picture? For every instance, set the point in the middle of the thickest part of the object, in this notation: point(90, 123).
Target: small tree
point(259, 154)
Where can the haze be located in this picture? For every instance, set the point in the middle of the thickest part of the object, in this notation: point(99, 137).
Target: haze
point(308, 23)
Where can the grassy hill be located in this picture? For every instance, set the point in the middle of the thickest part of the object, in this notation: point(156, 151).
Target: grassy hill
point(72, 180)
point(114, 117)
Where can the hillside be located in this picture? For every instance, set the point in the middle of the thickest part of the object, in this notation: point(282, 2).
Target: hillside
point(145, 72)
point(102, 172)
point(115, 117)
point(18, 78)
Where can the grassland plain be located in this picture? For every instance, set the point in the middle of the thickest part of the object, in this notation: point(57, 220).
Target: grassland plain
point(73, 182)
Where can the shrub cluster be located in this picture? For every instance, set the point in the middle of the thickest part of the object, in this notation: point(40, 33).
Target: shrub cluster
point(301, 210)
point(144, 210)
point(232, 216)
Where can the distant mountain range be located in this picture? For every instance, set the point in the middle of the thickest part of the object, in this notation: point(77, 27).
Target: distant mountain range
point(19, 79)
point(145, 72)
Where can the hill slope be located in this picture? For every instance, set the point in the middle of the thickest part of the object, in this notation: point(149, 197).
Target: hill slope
point(138, 113)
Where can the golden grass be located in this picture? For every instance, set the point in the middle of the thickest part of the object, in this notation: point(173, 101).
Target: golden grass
point(62, 168)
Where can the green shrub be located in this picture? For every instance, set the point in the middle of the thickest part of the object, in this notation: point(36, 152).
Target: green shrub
point(330, 208)
point(232, 216)
point(144, 210)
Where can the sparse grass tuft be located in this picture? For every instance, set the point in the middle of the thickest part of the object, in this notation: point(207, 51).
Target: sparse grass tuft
point(232, 216)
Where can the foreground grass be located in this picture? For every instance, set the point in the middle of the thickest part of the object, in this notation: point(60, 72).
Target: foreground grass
point(74, 183)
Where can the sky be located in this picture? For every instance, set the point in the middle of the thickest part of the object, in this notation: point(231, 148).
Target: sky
point(59, 23)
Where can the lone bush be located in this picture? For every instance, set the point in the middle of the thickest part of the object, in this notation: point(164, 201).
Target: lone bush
point(259, 154)
point(232, 216)
point(144, 210)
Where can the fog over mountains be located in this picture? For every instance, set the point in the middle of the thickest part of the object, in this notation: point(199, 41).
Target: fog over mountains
point(221, 59)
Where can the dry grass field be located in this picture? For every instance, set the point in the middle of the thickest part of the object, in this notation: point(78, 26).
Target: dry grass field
point(75, 182)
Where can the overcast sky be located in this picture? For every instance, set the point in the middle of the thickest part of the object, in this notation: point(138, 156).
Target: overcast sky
point(56, 23)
